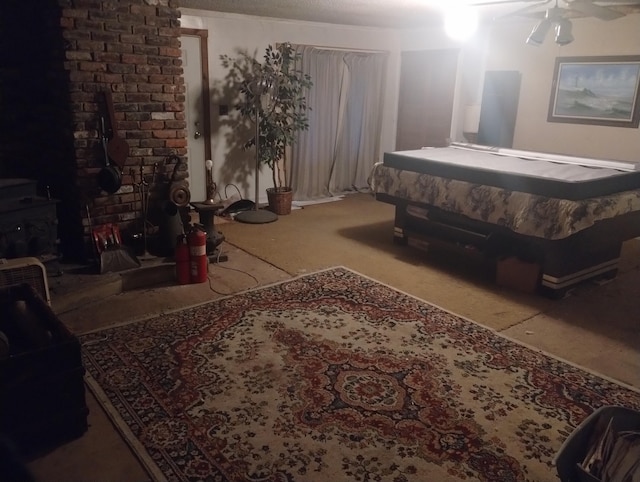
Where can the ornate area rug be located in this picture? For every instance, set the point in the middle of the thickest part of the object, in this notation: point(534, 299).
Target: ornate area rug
point(335, 377)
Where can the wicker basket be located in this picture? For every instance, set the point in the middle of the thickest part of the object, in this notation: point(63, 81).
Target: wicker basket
point(280, 201)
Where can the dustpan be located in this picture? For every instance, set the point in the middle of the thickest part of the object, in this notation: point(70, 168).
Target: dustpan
point(117, 258)
point(113, 256)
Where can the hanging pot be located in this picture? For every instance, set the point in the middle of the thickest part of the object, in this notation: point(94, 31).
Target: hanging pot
point(179, 194)
point(109, 177)
point(117, 147)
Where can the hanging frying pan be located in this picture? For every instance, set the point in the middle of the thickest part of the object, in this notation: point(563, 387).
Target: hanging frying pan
point(109, 177)
point(117, 147)
point(179, 193)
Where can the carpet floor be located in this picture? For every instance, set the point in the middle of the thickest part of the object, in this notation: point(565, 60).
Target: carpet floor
point(335, 376)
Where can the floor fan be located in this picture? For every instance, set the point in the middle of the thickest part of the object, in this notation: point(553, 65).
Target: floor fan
point(262, 91)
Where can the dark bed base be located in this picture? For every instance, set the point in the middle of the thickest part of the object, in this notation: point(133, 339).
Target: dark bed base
point(590, 254)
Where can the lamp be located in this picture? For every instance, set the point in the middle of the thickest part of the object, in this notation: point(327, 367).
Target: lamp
point(460, 22)
point(552, 17)
point(262, 91)
point(563, 32)
point(210, 184)
point(539, 32)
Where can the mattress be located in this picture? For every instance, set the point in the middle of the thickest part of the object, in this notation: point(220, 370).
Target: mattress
point(555, 176)
point(521, 212)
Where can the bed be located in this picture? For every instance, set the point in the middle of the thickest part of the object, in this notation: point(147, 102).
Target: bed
point(568, 215)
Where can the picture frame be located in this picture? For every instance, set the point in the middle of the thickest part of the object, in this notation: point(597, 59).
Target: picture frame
point(596, 90)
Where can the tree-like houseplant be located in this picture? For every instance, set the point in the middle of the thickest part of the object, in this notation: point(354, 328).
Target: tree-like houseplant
point(273, 92)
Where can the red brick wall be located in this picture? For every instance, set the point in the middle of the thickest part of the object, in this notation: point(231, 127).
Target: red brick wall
point(132, 49)
point(56, 59)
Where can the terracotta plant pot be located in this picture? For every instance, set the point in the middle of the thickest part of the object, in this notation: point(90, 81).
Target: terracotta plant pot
point(280, 200)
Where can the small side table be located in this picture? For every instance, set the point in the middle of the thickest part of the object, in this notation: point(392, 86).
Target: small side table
point(206, 212)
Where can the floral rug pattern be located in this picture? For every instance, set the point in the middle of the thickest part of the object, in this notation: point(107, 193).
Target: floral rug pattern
point(333, 376)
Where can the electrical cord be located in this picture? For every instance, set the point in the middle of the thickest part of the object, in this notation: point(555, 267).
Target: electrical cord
point(232, 185)
point(217, 263)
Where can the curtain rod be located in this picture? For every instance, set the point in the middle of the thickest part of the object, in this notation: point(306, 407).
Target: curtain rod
point(322, 47)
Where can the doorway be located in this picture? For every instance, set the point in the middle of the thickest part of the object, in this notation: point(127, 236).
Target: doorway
point(425, 104)
point(195, 61)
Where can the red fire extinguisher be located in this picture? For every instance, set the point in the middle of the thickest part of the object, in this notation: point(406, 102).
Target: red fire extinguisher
point(183, 273)
point(197, 240)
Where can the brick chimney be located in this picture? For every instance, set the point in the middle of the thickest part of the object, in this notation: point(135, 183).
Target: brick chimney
point(61, 55)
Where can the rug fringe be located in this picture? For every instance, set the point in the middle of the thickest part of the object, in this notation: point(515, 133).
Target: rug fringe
point(134, 444)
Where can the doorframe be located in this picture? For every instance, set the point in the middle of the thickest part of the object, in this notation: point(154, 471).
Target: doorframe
point(206, 102)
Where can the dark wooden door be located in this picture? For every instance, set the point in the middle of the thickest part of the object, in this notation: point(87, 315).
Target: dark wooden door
point(425, 104)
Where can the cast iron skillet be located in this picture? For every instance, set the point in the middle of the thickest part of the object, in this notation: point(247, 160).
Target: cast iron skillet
point(117, 147)
point(109, 177)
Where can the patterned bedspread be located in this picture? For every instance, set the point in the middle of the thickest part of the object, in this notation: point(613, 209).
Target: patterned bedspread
point(523, 213)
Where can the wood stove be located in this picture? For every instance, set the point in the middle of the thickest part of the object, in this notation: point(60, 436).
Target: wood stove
point(28, 222)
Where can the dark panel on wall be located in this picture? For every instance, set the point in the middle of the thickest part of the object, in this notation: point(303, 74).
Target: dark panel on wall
point(499, 108)
point(425, 104)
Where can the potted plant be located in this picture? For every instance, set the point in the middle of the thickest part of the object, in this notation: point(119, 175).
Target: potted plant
point(273, 91)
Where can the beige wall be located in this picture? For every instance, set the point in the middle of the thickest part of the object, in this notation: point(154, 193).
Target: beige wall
point(229, 33)
point(507, 51)
point(499, 45)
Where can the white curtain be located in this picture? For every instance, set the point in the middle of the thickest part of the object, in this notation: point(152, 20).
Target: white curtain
point(338, 151)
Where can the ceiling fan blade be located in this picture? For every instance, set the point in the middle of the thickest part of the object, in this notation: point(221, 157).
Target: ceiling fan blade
point(533, 8)
point(530, 11)
point(587, 7)
point(537, 15)
point(614, 3)
point(507, 2)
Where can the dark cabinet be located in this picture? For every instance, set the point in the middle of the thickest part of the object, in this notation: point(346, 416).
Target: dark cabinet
point(499, 108)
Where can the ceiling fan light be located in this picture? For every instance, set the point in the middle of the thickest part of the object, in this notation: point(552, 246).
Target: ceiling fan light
point(539, 32)
point(563, 32)
point(461, 22)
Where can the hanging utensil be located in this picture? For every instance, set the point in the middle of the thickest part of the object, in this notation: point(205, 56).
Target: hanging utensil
point(117, 147)
point(109, 178)
point(179, 193)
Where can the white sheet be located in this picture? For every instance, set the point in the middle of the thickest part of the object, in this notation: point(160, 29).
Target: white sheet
point(510, 163)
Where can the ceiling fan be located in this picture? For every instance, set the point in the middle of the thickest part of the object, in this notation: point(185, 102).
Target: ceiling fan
point(602, 9)
point(557, 16)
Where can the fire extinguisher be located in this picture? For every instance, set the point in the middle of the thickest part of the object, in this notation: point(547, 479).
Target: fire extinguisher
point(183, 273)
point(197, 240)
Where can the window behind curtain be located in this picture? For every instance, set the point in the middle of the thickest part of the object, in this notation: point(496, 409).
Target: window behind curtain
point(338, 151)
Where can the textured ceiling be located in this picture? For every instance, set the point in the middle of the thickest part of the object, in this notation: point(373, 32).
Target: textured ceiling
point(374, 13)
point(397, 13)
point(384, 13)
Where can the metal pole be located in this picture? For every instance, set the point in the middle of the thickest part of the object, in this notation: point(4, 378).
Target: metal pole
point(255, 207)
point(257, 216)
